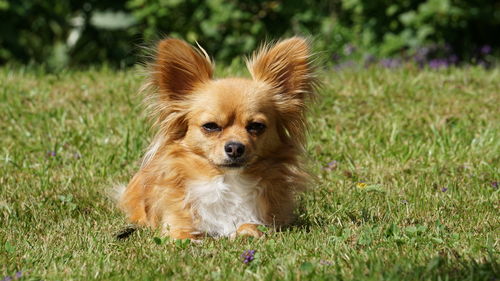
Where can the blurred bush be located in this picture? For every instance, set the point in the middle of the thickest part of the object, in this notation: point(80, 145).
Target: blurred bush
point(79, 32)
point(388, 27)
point(61, 33)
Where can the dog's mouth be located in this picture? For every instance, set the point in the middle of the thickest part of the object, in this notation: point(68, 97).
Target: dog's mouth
point(233, 164)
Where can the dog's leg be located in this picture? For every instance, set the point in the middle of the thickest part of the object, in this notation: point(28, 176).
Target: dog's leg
point(186, 234)
point(249, 229)
point(179, 224)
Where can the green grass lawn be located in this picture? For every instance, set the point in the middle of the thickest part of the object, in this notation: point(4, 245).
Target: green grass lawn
point(409, 193)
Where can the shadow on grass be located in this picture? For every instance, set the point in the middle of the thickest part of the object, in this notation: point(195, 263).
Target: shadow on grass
point(306, 221)
point(443, 267)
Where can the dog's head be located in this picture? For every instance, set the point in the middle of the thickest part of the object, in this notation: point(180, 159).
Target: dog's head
point(233, 122)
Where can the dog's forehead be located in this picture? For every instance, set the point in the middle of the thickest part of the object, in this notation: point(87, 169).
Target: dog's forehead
point(233, 94)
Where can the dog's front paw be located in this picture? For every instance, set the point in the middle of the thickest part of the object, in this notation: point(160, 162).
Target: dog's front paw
point(184, 234)
point(249, 229)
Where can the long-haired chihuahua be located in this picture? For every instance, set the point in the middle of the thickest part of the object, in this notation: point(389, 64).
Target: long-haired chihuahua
point(227, 155)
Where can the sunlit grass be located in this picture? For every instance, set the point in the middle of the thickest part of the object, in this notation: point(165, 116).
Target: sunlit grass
point(409, 193)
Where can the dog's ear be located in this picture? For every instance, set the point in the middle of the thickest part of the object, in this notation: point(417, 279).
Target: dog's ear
point(176, 71)
point(179, 68)
point(285, 66)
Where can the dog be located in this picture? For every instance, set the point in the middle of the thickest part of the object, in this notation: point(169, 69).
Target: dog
point(228, 153)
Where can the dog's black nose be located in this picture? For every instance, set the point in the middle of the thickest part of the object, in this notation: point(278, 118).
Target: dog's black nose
point(234, 149)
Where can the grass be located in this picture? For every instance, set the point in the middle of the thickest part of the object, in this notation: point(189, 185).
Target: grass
point(408, 194)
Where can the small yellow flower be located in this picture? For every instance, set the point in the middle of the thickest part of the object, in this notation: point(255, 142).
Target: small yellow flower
point(361, 185)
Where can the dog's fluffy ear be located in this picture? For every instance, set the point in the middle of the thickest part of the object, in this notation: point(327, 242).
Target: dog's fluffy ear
point(179, 68)
point(285, 66)
point(175, 73)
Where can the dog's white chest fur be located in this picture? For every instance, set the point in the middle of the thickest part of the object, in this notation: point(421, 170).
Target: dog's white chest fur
point(224, 203)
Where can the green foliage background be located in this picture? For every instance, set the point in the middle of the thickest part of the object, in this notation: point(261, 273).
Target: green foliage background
point(61, 33)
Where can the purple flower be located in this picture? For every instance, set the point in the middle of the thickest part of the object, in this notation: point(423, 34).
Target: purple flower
point(390, 63)
point(444, 189)
point(51, 153)
point(16, 276)
point(485, 50)
point(332, 165)
point(248, 256)
point(438, 63)
point(494, 184)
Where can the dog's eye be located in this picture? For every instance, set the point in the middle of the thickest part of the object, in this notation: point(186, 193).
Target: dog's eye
point(255, 128)
point(211, 127)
